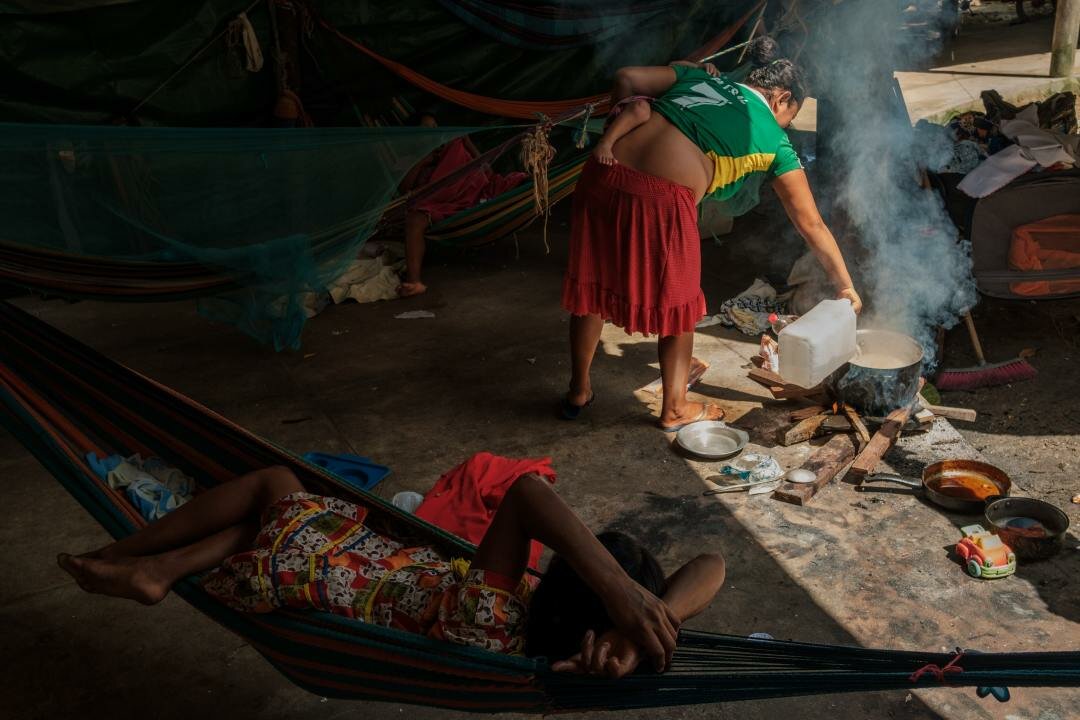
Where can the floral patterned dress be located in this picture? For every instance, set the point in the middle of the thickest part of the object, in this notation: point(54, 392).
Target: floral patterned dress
point(316, 553)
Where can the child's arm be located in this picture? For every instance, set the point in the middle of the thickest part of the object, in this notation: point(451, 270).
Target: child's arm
point(531, 510)
point(633, 115)
point(689, 591)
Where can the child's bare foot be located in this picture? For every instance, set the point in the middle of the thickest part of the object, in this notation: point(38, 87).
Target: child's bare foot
point(131, 578)
point(603, 154)
point(408, 289)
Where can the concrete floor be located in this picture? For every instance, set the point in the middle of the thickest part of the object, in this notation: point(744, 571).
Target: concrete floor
point(484, 374)
point(989, 54)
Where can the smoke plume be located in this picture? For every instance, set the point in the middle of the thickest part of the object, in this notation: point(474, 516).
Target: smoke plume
point(915, 274)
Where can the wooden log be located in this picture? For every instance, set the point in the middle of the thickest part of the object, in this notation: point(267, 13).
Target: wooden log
point(780, 389)
point(801, 431)
point(952, 413)
point(766, 377)
point(806, 412)
point(856, 423)
point(879, 444)
point(826, 464)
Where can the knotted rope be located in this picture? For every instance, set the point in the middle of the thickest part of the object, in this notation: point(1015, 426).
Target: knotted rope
point(536, 155)
point(939, 672)
point(583, 137)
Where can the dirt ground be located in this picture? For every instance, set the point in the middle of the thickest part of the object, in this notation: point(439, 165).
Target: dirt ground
point(420, 395)
point(1031, 429)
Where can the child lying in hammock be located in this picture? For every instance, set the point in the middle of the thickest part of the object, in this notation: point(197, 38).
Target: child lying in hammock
point(268, 544)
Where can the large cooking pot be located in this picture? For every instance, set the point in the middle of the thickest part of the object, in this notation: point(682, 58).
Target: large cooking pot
point(883, 375)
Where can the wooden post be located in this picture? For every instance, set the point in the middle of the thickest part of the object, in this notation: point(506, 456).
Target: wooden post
point(1063, 47)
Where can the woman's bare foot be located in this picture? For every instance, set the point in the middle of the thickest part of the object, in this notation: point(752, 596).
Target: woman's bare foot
point(691, 412)
point(131, 578)
point(408, 289)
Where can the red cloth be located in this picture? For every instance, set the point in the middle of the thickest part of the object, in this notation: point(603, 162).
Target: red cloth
point(1049, 244)
point(465, 192)
point(635, 252)
point(465, 499)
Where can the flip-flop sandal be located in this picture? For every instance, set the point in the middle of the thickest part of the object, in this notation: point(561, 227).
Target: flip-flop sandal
point(702, 416)
point(570, 411)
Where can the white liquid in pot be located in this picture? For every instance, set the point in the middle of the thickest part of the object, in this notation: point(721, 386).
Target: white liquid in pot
point(879, 360)
point(885, 350)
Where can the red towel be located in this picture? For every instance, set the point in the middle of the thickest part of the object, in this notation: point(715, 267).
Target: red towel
point(465, 499)
point(635, 252)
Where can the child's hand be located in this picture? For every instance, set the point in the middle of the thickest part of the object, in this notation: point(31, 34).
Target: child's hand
point(603, 153)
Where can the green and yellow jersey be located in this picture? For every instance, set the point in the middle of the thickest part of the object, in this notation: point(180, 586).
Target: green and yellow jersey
point(734, 126)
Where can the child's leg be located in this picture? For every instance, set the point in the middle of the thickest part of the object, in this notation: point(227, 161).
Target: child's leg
point(231, 503)
point(416, 225)
point(148, 579)
point(634, 113)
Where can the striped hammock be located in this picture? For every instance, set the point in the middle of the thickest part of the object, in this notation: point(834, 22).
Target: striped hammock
point(520, 109)
point(62, 400)
point(507, 213)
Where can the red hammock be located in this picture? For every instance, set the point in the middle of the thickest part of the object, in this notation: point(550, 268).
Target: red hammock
point(521, 109)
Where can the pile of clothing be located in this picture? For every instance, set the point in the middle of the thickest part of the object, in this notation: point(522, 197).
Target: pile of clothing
point(994, 148)
point(153, 486)
point(749, 311)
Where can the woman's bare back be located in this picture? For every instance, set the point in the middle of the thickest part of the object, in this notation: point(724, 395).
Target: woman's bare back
point(658, 148)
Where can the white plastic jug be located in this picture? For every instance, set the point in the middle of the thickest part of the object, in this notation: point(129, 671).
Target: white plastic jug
point(818, 343)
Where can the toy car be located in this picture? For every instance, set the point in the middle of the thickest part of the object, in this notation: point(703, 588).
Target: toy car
point(984, 555)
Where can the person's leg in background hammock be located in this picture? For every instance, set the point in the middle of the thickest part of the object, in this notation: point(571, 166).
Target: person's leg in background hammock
point(416, 225)
point(197, 536)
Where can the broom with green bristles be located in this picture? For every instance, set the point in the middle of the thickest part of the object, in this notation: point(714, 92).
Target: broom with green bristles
point(985, 374)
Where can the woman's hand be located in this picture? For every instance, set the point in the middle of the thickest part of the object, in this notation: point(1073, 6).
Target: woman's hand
point(613, 655)
point(850, 294)
point(645, 620)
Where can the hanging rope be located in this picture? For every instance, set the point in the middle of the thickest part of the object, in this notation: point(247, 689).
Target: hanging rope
point(583, 136)
point(753, 32)
point(536, 155)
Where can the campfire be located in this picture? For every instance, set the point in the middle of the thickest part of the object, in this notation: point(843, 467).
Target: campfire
point(856, 438)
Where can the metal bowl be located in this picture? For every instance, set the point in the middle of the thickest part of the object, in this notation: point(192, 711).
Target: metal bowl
point(712, 439)
point(1026, 544)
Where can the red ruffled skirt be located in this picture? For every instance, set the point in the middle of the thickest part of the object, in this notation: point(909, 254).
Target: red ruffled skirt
point(635, 252)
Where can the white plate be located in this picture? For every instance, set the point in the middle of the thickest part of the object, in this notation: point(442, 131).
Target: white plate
point(800, 475)
point(712, 439)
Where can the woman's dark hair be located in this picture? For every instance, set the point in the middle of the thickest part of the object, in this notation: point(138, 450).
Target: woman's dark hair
point(772, 72)
point(563, 608)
